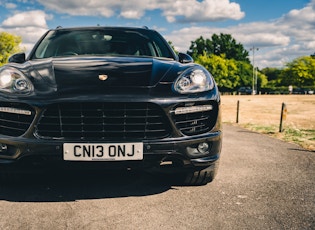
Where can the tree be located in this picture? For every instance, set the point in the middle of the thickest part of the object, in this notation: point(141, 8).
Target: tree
point(199, 46)
point(223, 44)
point(300, 72)
point(9, 44)
point(224, 71)
point(246, 73)
point(230, 74)
point(262, 81)
point(273, 76)
point(172, 46)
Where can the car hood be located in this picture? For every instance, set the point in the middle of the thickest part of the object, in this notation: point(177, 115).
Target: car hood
point(97, 73)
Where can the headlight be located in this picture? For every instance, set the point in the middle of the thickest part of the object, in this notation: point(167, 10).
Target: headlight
point(14, 81)
point(194, 80)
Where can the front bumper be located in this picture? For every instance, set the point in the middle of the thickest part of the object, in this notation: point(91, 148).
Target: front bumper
point(169, 154)
point(176, 148)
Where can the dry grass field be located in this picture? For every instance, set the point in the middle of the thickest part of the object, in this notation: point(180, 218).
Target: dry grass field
point(262, 113)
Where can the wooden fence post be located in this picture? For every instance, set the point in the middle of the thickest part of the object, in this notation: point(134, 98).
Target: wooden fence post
point(283, 116)
point(237, 111)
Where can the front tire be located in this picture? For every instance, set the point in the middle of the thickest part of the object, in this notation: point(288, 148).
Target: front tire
point(201, 177)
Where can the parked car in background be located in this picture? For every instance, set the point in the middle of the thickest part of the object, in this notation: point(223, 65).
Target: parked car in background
point(109, 98)
point(244, 90)
point(302, 91)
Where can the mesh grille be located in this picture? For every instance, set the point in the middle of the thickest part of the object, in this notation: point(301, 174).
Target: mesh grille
point(196, 123)
point(97, 121)
point(14, 124)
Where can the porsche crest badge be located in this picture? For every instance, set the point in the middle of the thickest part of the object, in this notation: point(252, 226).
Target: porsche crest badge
point(103, 77)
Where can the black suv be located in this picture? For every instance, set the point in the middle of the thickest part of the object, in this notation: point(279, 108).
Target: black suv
point(109, 98)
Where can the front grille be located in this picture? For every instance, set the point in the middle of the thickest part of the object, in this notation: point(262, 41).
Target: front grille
point(100, 121)
point(12, 120)
point(198, 122)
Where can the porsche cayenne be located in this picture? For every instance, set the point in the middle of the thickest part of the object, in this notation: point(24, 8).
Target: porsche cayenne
point(109, 98)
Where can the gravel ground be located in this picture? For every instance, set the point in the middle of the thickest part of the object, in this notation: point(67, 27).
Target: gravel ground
point(262, 183)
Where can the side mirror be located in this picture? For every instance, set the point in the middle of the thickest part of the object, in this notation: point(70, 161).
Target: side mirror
point(17, 58)
point(185, 58)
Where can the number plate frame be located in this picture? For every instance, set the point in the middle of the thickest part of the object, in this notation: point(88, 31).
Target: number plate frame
point(102, 151)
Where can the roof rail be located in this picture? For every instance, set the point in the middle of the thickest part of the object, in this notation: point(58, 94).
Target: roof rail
point(59, 27)
point(145, 27)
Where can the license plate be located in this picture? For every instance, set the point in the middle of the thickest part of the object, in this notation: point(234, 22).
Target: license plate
point(102, 152)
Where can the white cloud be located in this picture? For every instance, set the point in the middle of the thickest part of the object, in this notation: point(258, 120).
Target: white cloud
point(36, 18)
point(280, 40)
point(131, 14)
point(173, 10)
point(81, 7)
point(207, 10)
point(310, 45)
point(30, 25)
point(10, 5)
point(263, 39)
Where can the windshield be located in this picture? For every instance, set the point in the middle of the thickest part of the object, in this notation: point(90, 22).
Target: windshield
point(58, 43)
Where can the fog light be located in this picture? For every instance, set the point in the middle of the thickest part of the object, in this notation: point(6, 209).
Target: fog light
point(203, 148)
point(3, 148)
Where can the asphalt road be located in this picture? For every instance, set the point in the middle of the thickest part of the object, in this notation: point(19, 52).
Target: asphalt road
point(263, 183)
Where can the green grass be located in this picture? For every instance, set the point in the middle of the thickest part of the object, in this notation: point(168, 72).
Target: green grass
point(303, 137)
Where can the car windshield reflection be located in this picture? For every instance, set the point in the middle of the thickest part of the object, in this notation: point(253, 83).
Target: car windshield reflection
point(108, 42)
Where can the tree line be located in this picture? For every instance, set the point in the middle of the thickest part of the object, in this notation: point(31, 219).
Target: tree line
point(227, 60)
point(230, 65)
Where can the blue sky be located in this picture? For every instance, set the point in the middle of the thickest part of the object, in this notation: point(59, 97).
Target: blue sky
point(282, 29)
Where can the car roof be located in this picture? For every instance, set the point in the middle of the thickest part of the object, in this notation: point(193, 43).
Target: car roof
point(144, 28)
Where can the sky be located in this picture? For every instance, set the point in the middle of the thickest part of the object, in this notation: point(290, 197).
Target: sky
point(278, 30)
